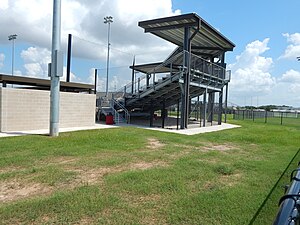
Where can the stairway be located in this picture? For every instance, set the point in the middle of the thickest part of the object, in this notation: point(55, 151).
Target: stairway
point(106, 107)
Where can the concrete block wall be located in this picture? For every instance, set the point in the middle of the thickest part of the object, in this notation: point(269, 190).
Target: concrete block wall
point(22, 109)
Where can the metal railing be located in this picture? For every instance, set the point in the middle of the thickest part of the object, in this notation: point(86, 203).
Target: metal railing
point(289, 211)
point(126, 112)
point(202, 71)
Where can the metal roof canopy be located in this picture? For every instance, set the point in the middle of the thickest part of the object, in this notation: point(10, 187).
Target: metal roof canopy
point(205, 40)
point(44, 84)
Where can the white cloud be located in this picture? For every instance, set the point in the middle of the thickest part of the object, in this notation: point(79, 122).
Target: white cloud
point(291, 76)
point(293, 50)
point(3, 4)
point(31, 20)
point(73, 77)
point(291, 80)
point(251, 72)
point(36, 61)
point(2, 57)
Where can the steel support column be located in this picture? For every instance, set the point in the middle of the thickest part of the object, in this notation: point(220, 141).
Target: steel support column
point(178, 114)
point(163, 114)
point(186, 75)
point(204, 107)
point(151, 114)
point(132, 75)
point(226, 99)
point(220, 107)
point(211, 100)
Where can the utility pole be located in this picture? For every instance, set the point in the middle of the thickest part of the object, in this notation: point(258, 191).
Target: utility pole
point(56, 69)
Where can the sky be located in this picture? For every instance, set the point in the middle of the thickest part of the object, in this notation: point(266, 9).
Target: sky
point(264, 62)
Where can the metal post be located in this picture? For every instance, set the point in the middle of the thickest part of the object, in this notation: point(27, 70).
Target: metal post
point(226, 100)
point(95, 91)
point(198, 108)
point(108, 20)
point(163, 114)
point(147, 80)
point(132, 75)
point(69, 58)
point(151, 114)
point(220, 107)
point(182, 110)
point(281, 118)
point(204, 107)
point(210, 106)
point(266, 116)
point(178, 114)
point(12, 38)
point(185, 95)
point(55, 84)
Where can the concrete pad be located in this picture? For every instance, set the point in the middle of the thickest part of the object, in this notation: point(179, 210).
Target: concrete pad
point(190, 131)
point(61, 130)
point(195, 130)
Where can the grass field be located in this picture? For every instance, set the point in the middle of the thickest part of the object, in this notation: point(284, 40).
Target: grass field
point(135, 176)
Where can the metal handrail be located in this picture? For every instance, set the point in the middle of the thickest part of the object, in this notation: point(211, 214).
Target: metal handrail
point(153, 71)
point(127, 114)
point(211, 72)
point(116, 116)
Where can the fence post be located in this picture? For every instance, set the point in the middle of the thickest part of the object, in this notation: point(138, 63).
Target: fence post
point(266, 116)
point(281, 117)
point(243, 114)
point(253, 115)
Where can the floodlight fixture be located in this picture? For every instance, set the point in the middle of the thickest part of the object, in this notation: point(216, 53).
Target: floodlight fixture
point(298, 58)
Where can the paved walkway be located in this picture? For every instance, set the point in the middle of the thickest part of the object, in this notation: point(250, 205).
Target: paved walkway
point(61, 130)
point(190, 131)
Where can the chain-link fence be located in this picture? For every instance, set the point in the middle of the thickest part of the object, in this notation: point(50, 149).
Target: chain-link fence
point(272, 117)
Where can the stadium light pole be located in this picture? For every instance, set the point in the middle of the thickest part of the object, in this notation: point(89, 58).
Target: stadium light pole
point(12, 38)
point(107, 20)
point(55, 69)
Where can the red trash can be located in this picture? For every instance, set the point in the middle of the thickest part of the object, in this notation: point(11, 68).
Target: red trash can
point(109, 119)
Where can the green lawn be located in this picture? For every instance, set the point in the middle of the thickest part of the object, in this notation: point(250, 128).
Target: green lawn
point(135, 176)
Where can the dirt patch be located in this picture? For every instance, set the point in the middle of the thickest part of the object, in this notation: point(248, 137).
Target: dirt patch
point(210, 161)
point(154, 144)
point(10, 169)
point(89, 176)
point(147, 165)
point(230, 180)
point(219, 147)
point(223, 181)
point(15, 190)
point(60, 160)
point(93, 176)
point(209, 186)
point(85, 221)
